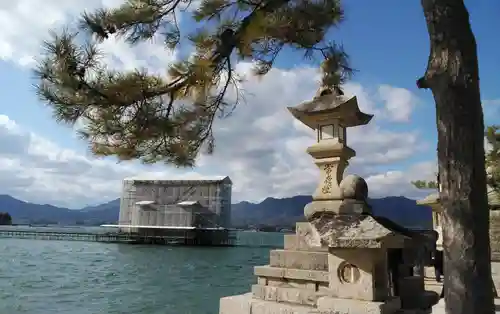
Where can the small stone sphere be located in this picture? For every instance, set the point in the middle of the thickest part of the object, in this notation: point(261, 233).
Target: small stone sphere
point(354, 187)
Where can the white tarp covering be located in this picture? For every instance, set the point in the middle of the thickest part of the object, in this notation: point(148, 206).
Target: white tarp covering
point(159, 227)
point(189, 203)
point(144, 203)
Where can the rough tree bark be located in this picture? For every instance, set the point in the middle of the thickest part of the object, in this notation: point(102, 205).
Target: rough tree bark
point(452, 75)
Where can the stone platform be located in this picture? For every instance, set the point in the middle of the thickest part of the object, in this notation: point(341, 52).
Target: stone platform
point(297, 281)
point(248, 304)
point(440, 309)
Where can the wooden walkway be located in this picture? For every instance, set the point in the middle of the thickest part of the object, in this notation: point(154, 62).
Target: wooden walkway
point(110, 237)
point(64, 236)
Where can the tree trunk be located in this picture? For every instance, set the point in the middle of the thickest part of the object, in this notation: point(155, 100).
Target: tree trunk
point(452, 75)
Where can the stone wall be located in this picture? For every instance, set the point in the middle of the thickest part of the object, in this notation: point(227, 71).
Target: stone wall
point(495, 234)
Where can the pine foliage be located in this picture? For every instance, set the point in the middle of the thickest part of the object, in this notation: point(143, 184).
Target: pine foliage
point(422, 184)
point(137, 115)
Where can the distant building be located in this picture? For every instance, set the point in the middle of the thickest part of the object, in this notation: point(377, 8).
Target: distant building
point(176, 204)
point(184, 211)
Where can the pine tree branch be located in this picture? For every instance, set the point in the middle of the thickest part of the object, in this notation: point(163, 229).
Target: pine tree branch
point(135, 115)
point(136, 21)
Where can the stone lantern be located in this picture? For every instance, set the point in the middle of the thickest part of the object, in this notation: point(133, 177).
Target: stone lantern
point(343, 259)
point(434, 202)
point(330, 114)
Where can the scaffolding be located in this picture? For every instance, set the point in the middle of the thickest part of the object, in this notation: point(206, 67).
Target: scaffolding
point(162, 206)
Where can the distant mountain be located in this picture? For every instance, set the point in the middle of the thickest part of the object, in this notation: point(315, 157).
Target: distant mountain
point(271, 211)
point(287, 211)
point(25, 212)
point(103, 213)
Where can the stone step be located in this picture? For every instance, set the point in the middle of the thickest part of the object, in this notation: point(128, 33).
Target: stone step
point(429, 271)
point(290, 273)
point(350, 306)
point(433, 285)
point(302, 228)
point(299, 260)
point(269, 307)
point(295, 242)
point(286, 295)
point(495, 235)
point(246, 304)
point(439, 308)
point(432, 281)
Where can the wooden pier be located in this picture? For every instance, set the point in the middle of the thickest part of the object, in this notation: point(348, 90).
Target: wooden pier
point(178, 238)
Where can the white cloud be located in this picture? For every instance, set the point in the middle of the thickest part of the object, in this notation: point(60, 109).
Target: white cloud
point(398, 102)
point(260, 145)
point(398, 183)
point(26, 23)
point(263, 147)
point(36, 169)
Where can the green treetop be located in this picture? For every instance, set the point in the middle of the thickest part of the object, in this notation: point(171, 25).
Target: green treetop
point(422, 184)
point(138, 115)
point(5, 218)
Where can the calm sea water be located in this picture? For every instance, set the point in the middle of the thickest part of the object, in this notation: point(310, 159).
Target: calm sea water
point(44, 277)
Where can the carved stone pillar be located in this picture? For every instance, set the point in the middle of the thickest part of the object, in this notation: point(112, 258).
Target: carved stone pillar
point(332, 160)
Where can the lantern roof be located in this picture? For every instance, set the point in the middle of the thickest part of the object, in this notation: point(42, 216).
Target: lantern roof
point(328, 106)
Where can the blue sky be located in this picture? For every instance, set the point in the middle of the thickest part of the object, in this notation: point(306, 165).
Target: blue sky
point(388, 44)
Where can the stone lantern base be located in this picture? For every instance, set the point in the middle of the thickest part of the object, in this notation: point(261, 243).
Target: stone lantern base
point(299, 280)
point(296, 281)
point(248, 304)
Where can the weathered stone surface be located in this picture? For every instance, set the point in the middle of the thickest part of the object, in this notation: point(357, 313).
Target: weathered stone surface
point(495, 271)
point(429, 272)
point(237, 304)
point(351, 231)
point(286, 295)
point(291, 283)
point(367, 283)
point(262, 281)
point(295, 242)
point(269, 307)
point(288, 273)
point(347, 306)
point(299, 260)
point(354, 187)
point(340, 207)
point(495, 234)
point(433, 285)
point(306, 232)
point(439, 308)
point(269, 271)
point(334, 107)
point(302, 228)
point(246, 304)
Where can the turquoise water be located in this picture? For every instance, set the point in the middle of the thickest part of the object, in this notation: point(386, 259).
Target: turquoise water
point(43, 277)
